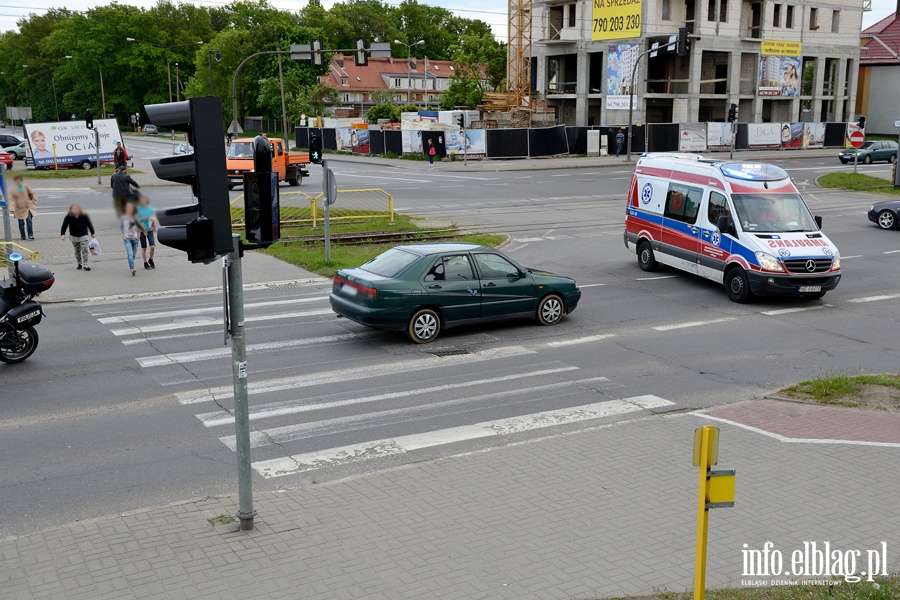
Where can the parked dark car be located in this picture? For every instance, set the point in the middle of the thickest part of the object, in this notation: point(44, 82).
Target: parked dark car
point(423, 288)
point(870, 152)
point(885, 214)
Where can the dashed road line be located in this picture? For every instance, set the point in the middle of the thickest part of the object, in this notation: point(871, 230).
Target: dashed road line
point(675, 326)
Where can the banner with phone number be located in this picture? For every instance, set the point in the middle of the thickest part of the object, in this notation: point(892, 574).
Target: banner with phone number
point(616, 19)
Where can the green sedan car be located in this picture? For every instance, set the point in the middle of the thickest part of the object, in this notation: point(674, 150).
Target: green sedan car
point(424, 288)
point(870, 152)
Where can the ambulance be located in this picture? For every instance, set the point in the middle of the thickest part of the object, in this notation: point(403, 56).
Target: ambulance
point(742, 224)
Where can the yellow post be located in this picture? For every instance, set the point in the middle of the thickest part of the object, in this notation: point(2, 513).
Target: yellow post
point(702, 514)
point(312, 211)
point(391, 207)
point(55, 165)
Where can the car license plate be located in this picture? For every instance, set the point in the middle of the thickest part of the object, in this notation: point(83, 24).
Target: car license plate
point(349, 290)
point(810, 288)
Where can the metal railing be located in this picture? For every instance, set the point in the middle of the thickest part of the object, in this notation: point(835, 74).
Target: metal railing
point(301, 209)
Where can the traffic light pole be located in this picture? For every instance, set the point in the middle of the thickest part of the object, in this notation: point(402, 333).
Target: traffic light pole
point(97, 144)
point(634, 69)
point(235, 320)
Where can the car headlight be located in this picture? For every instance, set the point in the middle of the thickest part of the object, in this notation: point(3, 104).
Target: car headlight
point(836, 264)
point(872, 208)
point(768, 262)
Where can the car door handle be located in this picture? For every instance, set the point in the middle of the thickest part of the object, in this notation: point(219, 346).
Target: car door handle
point(434, 287)
point(490, 285)
point(695, 229)
point(705, 233)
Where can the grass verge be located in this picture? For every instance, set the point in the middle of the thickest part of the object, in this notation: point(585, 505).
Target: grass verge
point(883, 589)
point(342, 221)
point(879, 392)
point(858, 182)
point(76, 173)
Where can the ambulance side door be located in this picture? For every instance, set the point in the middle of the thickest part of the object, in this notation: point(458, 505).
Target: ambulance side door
point(715, 246)
point(680, 232)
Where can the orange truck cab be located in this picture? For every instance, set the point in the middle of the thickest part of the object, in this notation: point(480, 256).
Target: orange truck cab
point(290, 166)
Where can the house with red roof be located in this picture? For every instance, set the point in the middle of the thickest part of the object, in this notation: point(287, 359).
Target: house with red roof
point(879, 75)
point(422, 82)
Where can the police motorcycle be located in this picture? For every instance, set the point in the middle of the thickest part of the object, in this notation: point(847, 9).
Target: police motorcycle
point(19, 311)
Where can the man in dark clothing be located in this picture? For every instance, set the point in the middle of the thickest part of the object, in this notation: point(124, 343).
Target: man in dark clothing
point(120, 157)
point(121, 183)
point(620, 141)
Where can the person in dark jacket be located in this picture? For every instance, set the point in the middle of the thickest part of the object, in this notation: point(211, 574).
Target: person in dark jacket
point(120, 157)
point(80, 233)
point(122, 183)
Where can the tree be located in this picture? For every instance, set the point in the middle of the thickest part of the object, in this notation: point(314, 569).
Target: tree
point(479, 63)
point(384, 110)
point(313, 100)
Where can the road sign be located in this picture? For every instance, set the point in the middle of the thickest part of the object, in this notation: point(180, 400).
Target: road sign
point(329, 186)
point(235, 128)
point(857, 139)
point(301, 51)
point(897, 124)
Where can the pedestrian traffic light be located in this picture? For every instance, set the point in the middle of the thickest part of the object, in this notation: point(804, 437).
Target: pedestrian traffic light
point(315, 149)
point(88, 119)
point(461, 121)
point(203, 230)
point(862, 122)
point(683, 43)
point(733, 113)
point(262, 212)
point(360, 55)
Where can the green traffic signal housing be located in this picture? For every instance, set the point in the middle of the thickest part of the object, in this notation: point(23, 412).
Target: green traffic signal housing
point(315, 149)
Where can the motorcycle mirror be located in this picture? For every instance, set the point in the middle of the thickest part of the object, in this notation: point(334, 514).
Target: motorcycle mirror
point(15, 257)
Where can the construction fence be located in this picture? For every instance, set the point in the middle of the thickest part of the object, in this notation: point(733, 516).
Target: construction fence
point(360, 210)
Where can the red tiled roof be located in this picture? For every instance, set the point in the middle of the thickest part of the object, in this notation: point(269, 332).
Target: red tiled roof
point(371, 77)
point(888, 31)
point(879, 26)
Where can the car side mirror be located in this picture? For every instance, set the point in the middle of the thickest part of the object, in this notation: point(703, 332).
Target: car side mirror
point(724, 226)
point(818, 221)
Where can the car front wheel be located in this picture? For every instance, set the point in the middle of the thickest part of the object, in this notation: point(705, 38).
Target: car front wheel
point(738, 286)
point(424, 326)
point(892, 159)
point(550, 310)
point(868, 159)
point(886, 219)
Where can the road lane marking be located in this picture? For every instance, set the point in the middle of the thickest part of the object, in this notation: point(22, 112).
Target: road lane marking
point(873, 298)
point(218, 322)
point(691, 324)
point(204, 290)
point(192, 311)
point(788, 440)
point(331, 457)
point(587, 285)
point(278, 409)
point(582, 340)
point(853, 256)
point(892, 251)
point(655, 278)
point(787, 311)
point(352, 374)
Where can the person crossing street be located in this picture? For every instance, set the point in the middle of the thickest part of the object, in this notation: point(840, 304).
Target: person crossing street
point(123, 189)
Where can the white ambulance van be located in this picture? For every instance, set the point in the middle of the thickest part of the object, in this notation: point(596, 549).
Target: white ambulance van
point(742, 224)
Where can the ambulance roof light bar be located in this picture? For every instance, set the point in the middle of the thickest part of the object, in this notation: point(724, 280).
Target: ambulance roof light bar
point(754, 172)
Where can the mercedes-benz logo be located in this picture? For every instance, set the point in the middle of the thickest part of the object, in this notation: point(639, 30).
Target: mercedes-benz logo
point(810, 265)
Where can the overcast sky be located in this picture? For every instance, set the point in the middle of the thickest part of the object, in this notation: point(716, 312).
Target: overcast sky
point(492, 12)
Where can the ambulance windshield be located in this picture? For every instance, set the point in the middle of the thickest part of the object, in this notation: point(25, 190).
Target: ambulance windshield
point(773, 213)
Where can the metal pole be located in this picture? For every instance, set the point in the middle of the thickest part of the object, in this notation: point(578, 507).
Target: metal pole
point(55, 100)
point(102, 91)
point(7, 230)
point(465, 144)
point(177, 84)
point(245, 513)
point(733, 137)
point(169, 75)
point(702, 519)
point(283, 106)
point(97, 144)
point(325, 206)
point(234, 107)
point(855, 160)
point(408, 74)
point(896, 175)
point(631, 104)
point(209, 54)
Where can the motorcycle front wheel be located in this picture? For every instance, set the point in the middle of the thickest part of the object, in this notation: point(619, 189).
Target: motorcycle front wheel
point(26, 341)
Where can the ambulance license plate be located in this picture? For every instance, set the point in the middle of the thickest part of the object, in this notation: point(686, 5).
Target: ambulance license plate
point(810, 288)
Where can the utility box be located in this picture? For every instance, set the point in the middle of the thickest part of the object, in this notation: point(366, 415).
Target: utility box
point(593, 142)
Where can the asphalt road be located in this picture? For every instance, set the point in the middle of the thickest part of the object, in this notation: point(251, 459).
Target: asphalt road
point(127, 404)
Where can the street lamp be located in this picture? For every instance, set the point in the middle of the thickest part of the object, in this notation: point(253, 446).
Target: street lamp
point(409, 48)
point(218, 56)
point(102, 91)
point(166, 48)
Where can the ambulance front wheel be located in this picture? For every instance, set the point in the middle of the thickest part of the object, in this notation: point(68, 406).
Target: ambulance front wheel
point(646, 260)
point(738, 286)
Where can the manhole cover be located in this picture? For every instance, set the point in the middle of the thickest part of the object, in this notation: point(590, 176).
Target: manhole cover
point(449, 352)
point(196, 320)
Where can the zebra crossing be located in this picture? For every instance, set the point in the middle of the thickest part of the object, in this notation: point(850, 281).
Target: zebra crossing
point(327, 395)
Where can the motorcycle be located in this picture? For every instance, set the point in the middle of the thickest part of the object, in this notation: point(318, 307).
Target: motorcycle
point(19, 311)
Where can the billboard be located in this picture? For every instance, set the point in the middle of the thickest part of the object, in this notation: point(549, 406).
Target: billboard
point(718, 136)
point(616, 19)
point(71, 141)
point(621, 60)
point(779, 76)
point(814, 135)
point(474, 141)
point(792, 135)
point(412, 141)
point(692, 137)
point(764, 135)
point(350, 139)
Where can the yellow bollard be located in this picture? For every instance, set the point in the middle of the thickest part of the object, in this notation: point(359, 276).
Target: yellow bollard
point(716, 490)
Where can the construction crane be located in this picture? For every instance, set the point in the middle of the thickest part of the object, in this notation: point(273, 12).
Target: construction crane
point(519, 54)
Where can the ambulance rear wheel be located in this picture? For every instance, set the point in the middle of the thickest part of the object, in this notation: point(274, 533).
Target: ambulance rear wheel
point(646, 260)
point(738, 286)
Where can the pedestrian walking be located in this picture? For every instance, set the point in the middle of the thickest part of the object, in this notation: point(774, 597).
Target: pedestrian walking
point(131, 230)
point(81, 231)
point(147, 219)
point(620, 142)
point(120, 156)
point(123, 189)
point(431, 153)
point(24, 205)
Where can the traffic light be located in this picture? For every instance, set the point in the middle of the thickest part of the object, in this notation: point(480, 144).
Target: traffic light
point(360, 56)
point(862, 122)
point(88, 119)
point(683, 43)
point(318, 58)
point(733, 113)
point(203, 230)
point(262, 212)
point(315, 149)
point(461, 121)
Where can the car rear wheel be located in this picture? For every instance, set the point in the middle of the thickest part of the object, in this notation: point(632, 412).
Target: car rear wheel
point(424, 326)
point(738, 286)
point(886, 219)
point(868, 159)
point(85, 164)
point(892, 159)
point(550, 310)
point(646, 260)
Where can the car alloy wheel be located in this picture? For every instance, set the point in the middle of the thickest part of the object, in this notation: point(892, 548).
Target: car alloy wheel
point(893, 159)
point(550, 310)
point(886, 219)
point(424, 326)
point(868, 159)
point(646, 260)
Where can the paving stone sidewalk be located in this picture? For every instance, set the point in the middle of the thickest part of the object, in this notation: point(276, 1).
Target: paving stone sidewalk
point(609, 511)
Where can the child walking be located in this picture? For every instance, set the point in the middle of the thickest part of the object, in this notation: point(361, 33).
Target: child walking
point(431, 153)
point(80, 233)
point(131, 230)
point(147, 219)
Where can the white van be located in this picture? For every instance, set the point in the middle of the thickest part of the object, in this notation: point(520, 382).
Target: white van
point(739, 223)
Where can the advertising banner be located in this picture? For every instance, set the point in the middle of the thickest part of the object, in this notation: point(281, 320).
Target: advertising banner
point(764, 135)
point(814, 135)
point(781, 48)
point(473, 140)
point(72, 141)
point(692, 137)
point(621, 59)
point(351, 139)
point(616, 19)
point(851, 127)
point(718, 136)
point(779, 76)
point(412, 141)
point(792, 135)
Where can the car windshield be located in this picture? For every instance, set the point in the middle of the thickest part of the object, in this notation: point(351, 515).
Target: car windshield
point(240, 150)
point(773, 213)
point(390, 263)
point(867, 146)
